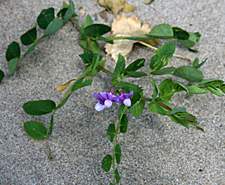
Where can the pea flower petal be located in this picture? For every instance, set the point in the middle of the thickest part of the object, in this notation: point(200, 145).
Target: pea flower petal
point(105, 100)
point(125, 98)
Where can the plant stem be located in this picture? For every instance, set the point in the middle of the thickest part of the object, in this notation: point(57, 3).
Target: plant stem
point(50, 155)
point(75, 23)
point(114, 145)
point(141, 37)
point(146, 99)
point(150, 46)
point(104, 70)
point(89, 43)
point(81, 76)
point(19, 60)
point(163, 105)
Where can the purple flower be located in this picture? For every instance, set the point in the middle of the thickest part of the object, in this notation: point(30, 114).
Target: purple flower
point(125, 98)
point(105, 100)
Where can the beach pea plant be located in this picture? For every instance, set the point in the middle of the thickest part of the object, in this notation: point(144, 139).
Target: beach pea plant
point(129, 96)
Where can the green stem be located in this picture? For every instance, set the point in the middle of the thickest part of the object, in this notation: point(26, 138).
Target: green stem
point(75, 23)
point(146, 99)
point(114, 145)
point(89, 43)
point(50, 155)
point(163, 105)
point(141, 37)
point(81, 76)
point(104, 70)
point(36, 41)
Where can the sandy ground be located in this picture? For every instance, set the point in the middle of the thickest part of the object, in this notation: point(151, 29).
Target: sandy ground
point(155, 149)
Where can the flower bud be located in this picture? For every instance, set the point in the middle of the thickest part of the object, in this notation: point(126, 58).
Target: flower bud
point(121, 92)
point(112, 90)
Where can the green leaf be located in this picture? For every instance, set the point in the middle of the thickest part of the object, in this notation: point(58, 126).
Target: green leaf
point(94, 46)
point(180, 121)
point(96, 71)
point(51, 125)
point(164, 71)
point(65, 5)
point(222, 88)
point(45, 17)
point(137, 108)
point(196, 90)
point(190, 42)
point(1, 75)
point(107, 163)
point(162, 31)
point(162, 56)
point(95, 61)
point(117, 176)
point(184, 119)
point(135, 74)
point(111, 132)
point(35, 129)
point(209, 82)
point(53, 27)
point(88, 21)
point(118, 154)
point(127, 87)
point(154, 107)
point(123, 124)
point(120, 66)
point(134, 66)
point(155, 91)
point(198, 35)
point(213, 90)
point(88, 55)
point(180, 87)
point(82, 83)
point(29, 37)
point(96, 30)
point(40, 107)
point(120, 110)
point(32, 48)
point(62, 12)
point(69, 12)
point(180, 33)
point(13, 51)
point(12, 65)
point(189, 73)
point(106, 40)
point(63, 102)
point(186, 116)
point(111, 183)
point(82, 56)
point(196, 63)
point(165, 86)
point(178, 109)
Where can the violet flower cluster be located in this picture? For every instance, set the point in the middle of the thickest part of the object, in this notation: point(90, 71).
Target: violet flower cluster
point(106, 99)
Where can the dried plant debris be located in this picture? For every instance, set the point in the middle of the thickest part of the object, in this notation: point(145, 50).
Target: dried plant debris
point(82, 11)
point(148, 2)
point(103, 15)
point(115, 6)
point(123, 26)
